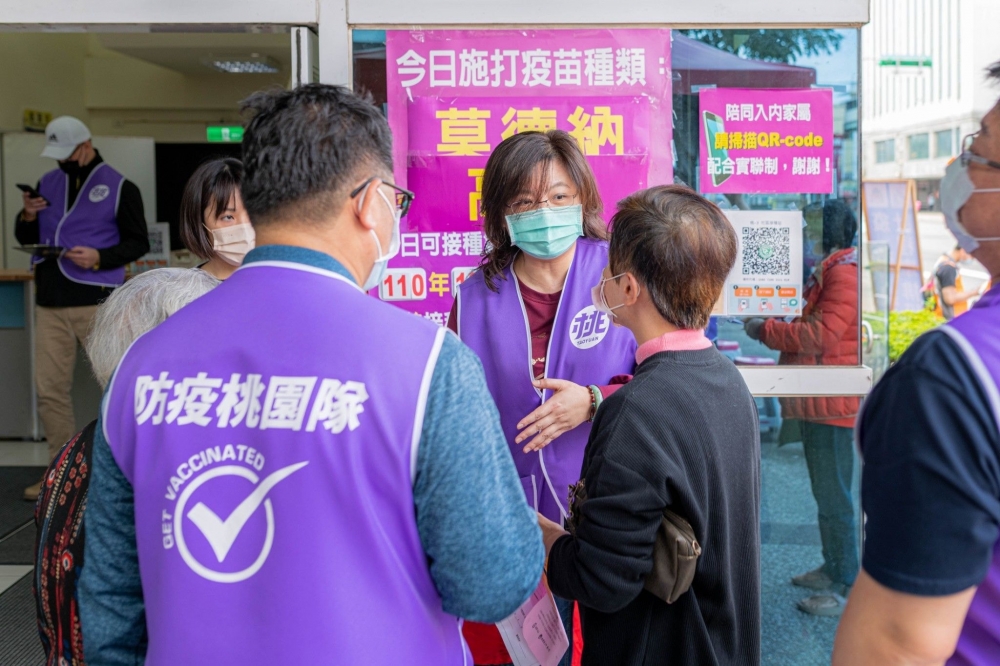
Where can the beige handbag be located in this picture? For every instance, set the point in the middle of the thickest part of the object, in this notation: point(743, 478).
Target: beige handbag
point(675, 553)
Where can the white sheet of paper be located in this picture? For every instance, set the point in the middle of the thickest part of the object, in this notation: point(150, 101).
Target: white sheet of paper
point(534, 633)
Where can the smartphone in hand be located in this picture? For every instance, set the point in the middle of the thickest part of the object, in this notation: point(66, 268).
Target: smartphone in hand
point(32, 192)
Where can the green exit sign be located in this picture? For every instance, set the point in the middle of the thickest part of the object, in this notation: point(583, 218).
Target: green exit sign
point(905, 61)
point(224, 133)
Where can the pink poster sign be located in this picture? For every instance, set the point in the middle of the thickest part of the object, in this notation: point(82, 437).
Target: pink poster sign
point(766, 141)
point(453, 96)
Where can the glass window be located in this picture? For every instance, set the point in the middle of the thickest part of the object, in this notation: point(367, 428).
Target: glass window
point(802, 65)
point(885, 151)
point(919, 145)
point(809, 532)
point(763, 122)
point(944, 143)
point(751, 112)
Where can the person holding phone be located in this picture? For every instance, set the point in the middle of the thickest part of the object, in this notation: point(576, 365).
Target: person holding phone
point(92, 211)
point(32, 193)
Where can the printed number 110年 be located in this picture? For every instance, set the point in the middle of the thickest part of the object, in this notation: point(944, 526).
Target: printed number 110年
point(403, 284)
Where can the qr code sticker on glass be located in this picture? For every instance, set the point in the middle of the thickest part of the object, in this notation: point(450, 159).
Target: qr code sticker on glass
point(155, 243)
point(766, 251)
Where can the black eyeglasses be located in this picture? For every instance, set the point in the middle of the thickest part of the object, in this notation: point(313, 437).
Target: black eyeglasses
point(967, 156)
point(404, 197)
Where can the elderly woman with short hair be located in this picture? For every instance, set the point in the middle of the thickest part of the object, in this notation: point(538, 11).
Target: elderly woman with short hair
point(131, 310)
point(679, 442)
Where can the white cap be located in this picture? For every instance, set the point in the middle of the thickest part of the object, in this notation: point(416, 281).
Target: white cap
point(63, 135)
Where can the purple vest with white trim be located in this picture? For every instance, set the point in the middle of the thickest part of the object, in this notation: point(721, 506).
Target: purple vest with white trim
point(584, 348)
point(91, 222)
point(270, 430)
point(977, 333)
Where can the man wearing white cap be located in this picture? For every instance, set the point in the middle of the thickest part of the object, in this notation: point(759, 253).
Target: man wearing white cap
point(91, 211)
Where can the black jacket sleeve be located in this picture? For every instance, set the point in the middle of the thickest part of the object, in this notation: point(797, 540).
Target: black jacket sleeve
point(133, 235)
point(604, 565)
point(26, 232)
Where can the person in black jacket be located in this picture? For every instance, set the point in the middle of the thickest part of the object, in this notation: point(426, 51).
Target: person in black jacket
point(96, 214)
point(683, 435)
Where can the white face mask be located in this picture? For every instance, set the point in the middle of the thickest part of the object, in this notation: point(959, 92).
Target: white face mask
point(956, 188)
point(382, 263)
point(600, 302)
point(232, 243)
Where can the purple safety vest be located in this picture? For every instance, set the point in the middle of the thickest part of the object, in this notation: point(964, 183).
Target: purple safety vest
point(91, 222)
point(975, 332)
point(584, 348)
point(270, 432)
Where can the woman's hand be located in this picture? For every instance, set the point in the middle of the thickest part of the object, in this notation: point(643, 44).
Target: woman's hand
point(568, 407)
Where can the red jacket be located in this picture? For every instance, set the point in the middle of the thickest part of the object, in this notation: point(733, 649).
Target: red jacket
point(826, 334)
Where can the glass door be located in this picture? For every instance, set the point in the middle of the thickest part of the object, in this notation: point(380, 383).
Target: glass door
point(875, 308)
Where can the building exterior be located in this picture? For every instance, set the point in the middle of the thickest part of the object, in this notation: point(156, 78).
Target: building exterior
point(750, 60)
point(340, 27)
point(916, 112)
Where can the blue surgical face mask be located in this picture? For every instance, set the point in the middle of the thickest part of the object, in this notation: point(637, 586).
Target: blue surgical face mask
point(546, 233)
point(382, 262)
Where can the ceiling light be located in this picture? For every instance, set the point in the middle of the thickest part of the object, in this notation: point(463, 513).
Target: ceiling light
point(253, 64)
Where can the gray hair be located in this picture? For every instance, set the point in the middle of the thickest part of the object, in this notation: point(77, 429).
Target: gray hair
point(139, 306)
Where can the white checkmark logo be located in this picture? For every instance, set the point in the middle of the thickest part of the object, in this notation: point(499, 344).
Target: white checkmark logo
point(222, 534)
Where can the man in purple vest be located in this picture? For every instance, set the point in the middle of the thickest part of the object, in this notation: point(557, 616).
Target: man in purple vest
point(289, 471)
point(929, 591)
point(89, 209)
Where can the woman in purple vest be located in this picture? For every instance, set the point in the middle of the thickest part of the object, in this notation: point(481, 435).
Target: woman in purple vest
point(215, 225)
point(528, 313)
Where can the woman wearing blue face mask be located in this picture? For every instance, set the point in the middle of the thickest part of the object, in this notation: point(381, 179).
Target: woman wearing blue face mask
point(529, 315)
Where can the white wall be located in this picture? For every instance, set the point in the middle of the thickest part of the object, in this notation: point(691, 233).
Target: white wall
point(426, 12)
point(41, 71)
point(90, 12)
point(602, 12)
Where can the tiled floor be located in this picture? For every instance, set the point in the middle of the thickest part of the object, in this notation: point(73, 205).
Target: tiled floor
point(24, 454)
point(11, 573)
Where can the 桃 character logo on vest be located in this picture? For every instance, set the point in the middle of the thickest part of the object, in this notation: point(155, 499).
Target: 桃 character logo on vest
point(588, 328)
point(99, 193)
point(224, 537)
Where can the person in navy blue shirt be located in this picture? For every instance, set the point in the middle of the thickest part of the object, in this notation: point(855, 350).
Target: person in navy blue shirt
point(929, 590)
